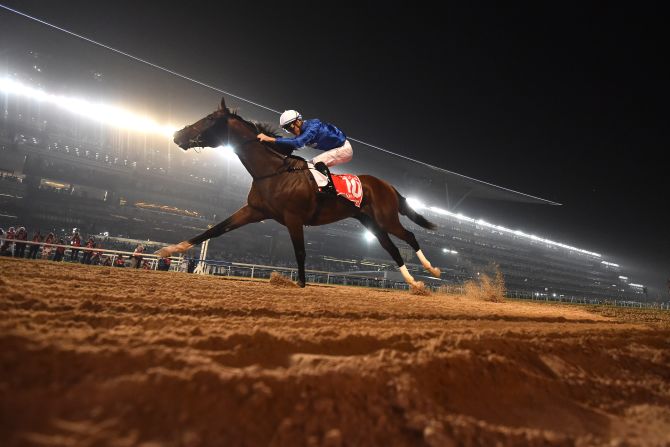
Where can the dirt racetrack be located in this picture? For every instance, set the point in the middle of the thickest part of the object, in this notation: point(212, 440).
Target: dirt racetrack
point(101, 356)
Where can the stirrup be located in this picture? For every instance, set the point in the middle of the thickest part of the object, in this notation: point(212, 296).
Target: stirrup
point(322, 168)
point(329, 189)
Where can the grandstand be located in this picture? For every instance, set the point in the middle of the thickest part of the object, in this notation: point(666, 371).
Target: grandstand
point(60, 171)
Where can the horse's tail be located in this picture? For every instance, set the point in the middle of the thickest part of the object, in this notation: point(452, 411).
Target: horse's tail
point(415, 217)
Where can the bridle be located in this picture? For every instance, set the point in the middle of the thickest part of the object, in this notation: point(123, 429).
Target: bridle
point(285, 167)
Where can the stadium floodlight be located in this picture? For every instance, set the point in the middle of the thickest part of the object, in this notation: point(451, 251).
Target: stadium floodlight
point(625, 278)
point(610, 264)
point(465, 218)
point(639, 286)
point(444, 250)
point(104, 113)
point(441, 211)
point(416, 204)
point(369, 236)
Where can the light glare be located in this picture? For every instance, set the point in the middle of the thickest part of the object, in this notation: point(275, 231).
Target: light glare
point(227, 152)
point(103, 113)
point(416, 204)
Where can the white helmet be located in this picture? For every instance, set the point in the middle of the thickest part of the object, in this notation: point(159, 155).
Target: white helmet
point(288, 117)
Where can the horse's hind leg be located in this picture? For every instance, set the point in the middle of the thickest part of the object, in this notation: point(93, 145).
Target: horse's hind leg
point(402, 233)
point(389, 246)
point(241, 217)
point(390, 223)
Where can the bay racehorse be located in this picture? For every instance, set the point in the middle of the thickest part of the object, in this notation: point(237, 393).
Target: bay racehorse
point(284, 190)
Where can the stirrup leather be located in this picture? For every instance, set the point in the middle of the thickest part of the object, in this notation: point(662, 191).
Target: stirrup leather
point(329, 188)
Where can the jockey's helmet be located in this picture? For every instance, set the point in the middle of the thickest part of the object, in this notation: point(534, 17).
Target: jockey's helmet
point(288, 117)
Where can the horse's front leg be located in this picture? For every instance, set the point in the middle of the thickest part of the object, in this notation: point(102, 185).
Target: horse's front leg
point(241, 217)
point(295, 229)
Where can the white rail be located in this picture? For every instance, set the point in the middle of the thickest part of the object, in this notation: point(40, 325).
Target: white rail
point(239, 269)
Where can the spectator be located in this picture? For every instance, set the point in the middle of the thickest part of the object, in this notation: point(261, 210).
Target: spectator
point(6, 249)
point(137, 258)
point(34, 248)
point(120, 262)
point(191, 265)
point(86, 257)
point(47, 248)
point(60, 251)
point(97, 257)
point(75, 242)
point(20, 247)
point(107, 262)
point(164, 264)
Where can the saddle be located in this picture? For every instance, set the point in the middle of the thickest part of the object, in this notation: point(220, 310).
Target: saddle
point(346, 185)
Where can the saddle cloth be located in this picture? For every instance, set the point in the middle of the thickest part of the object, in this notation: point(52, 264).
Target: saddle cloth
point(347, 185)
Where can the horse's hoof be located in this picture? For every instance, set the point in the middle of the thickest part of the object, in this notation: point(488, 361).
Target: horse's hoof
point(418, 288)
point(435, 272)
point(301, 284)
point(183, 246)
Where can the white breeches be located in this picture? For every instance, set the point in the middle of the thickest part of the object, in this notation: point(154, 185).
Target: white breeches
point(339, 155)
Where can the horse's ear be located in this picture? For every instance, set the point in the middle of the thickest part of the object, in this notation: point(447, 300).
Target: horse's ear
point(222, 106)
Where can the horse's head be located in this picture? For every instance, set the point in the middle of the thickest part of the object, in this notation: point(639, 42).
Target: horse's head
point(210, 131)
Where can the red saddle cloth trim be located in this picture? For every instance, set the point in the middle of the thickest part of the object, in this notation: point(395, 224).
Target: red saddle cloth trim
point(349, 186)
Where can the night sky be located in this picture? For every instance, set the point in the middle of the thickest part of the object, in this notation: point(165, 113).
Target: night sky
point(564, 102)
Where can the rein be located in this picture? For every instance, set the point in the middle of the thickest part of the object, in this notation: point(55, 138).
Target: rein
point(285, 159)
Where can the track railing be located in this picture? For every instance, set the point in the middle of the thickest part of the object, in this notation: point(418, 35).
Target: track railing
point(246, 270)
point(107, 256)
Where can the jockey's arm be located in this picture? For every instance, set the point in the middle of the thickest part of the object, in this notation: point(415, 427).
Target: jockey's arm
point(307, 136)
point(265, 139)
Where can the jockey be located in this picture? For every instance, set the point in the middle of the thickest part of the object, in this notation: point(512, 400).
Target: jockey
point(318, 135)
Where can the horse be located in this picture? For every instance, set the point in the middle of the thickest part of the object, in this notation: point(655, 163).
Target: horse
point(284, 190)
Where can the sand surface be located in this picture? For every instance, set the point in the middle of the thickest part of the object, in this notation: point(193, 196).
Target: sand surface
point(101, 356)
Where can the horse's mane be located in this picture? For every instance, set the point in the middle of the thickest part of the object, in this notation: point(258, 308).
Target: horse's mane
point(267, 129)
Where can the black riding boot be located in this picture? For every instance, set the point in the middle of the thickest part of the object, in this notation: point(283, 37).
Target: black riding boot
point(330, 187)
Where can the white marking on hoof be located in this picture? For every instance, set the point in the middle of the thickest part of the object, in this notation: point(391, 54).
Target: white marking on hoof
point(168, 251)
point(406, 275)
point(163, 252)
point(427, 265)
point(183, 246)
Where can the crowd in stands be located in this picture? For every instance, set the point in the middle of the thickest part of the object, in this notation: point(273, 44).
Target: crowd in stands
point(72, 248)
point(9, 177)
